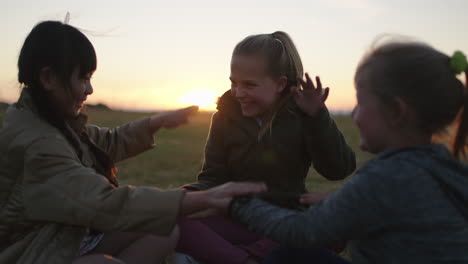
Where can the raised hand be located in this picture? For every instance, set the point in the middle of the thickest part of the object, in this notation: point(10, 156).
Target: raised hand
point(310, 99)
point(172, 119)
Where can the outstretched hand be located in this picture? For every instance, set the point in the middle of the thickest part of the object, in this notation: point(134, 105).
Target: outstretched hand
point(216, 201)
point(172, 119)
point(310, 98)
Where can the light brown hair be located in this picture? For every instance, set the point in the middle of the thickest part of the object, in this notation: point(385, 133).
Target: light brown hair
point(423, 78)
point(282, 59)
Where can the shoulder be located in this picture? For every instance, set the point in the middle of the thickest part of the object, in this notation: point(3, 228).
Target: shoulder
point(387, 163)
point(23, 128)
point(395, 169)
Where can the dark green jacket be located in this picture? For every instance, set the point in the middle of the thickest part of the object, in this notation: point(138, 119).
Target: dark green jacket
point(281, 158)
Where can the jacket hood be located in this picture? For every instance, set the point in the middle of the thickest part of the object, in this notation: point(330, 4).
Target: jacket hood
point(450, 173)
point(228, 103)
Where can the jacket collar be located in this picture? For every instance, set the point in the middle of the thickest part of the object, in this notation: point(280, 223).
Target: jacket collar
point(26, 101)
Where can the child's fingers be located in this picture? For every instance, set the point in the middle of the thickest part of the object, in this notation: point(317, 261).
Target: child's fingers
point(310, 84)
point(188, 110)
point(244, 188)
point(192, 109)
point(319, 84)
point(326, 91)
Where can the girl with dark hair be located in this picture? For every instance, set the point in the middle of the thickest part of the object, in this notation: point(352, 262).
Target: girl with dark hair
point(266, 129)
point(60, 200)
point(410, 203)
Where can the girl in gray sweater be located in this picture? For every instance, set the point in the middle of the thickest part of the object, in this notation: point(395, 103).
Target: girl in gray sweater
point(410, 203)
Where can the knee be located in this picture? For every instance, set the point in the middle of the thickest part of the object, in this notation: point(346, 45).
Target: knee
point(167, 243)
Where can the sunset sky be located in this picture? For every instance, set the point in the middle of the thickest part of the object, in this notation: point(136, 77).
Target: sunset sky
point(167, 54)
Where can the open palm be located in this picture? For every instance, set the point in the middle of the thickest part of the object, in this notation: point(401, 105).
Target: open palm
point(310, 98)
point(179, 117)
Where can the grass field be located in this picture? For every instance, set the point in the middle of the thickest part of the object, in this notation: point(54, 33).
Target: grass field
point(178, 155)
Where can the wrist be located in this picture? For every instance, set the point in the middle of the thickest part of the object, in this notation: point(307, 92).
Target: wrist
point(237, 202)
point(155, 123)
point(193, 201)
point(313, 112)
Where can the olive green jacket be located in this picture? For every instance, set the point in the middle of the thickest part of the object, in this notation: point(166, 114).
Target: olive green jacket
point(50, 195)
point(281, 158)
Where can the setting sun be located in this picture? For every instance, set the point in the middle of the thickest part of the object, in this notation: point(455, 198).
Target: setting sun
point(205, 99)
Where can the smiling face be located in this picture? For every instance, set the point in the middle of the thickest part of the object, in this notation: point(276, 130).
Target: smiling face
point(256, 91)
point(70, 101)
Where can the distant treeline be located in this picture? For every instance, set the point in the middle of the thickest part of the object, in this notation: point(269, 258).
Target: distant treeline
point(4, 106)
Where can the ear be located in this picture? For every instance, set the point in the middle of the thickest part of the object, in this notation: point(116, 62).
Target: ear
point(399, 113)
point(281, 83)
point(48, 79)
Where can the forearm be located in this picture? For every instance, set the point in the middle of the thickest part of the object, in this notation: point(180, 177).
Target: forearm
point(193, 202)
point(155, 123)
point(285, 226)
point(123, 141)
point(199, 186)
point(353, 211)
point(330, 154)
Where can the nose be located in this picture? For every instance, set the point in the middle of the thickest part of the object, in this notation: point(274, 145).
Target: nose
point(89, 89)
point(238, 92)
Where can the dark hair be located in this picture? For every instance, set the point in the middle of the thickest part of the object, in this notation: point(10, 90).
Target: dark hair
point(58, 46)
point(423, 78)
point(282, 57)
point(63, 48)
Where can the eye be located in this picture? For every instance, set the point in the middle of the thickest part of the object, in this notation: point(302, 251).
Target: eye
point(87, 76)
point(250, 84)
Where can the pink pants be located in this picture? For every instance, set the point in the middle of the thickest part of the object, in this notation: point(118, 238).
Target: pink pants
point(221, 240)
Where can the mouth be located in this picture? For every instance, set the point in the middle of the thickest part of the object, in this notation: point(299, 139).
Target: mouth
point(80, 104)
point(245, 103)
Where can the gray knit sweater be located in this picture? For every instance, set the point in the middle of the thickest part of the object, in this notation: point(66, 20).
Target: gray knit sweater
point(405, 206)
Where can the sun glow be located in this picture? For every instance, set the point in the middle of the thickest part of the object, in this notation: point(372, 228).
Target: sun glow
point(205, 99)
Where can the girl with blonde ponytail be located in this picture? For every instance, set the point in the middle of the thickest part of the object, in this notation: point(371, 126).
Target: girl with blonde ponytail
point(271, 126)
